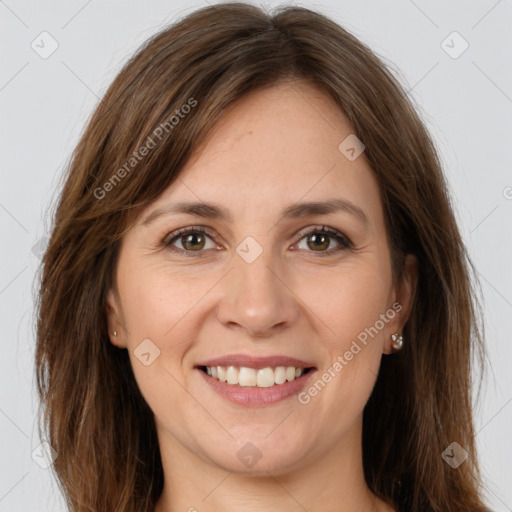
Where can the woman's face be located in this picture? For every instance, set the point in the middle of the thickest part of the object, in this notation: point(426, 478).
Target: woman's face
point(264, 280)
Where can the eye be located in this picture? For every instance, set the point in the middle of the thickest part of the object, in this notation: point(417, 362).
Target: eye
point(192, 239)
point(319, 239)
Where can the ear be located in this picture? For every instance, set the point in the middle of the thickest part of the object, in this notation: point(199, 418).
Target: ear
point(114, 320)
point(403, 297)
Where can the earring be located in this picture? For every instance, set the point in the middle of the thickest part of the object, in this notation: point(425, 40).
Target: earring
point(115, 333)
point(398, 341)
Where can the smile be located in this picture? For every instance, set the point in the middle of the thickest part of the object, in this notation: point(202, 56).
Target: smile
point(252, 387)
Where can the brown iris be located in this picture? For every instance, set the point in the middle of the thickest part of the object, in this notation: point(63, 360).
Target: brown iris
point(190, 241)
point(319, 241)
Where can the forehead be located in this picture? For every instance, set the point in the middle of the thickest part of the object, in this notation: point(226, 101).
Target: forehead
point(277, 145)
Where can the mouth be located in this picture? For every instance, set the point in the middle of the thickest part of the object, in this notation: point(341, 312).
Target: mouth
point(253, 387)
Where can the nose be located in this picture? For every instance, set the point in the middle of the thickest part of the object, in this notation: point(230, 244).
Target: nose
point(257, 299)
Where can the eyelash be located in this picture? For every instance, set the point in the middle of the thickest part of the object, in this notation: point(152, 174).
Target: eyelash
point(345, 243)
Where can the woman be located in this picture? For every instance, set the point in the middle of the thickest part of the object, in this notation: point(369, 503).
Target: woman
point(255, 294)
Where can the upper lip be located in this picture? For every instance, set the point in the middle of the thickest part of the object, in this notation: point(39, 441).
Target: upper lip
point(256, 362)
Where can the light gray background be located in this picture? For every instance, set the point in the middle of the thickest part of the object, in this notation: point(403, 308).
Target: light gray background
point(466, 102)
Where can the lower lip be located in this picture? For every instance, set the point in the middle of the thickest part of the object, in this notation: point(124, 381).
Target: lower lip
point(254, 396)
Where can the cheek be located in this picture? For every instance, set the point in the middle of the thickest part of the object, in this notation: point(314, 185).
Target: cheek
point(348, 299)
point(349, 304)
point(156, 307)
point(159, 312)
point(157, 301)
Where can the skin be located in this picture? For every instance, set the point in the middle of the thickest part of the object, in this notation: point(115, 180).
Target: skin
point(273, 148)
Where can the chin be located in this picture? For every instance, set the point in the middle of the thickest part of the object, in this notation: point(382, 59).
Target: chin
point(257, 456)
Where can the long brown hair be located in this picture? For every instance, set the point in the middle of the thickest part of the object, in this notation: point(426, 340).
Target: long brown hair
point(94, 414)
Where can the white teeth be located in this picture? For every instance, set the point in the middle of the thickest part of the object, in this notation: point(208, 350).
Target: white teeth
point(265, 378)
point(280, 375)
point(250, 377)
point(247, 377)
point(232, 375)
point(221, 373)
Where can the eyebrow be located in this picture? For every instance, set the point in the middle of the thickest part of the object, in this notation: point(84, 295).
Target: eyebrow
point(214, 211)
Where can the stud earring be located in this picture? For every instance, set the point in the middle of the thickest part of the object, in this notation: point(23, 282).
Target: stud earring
point(115, 333)
point(398, 341)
